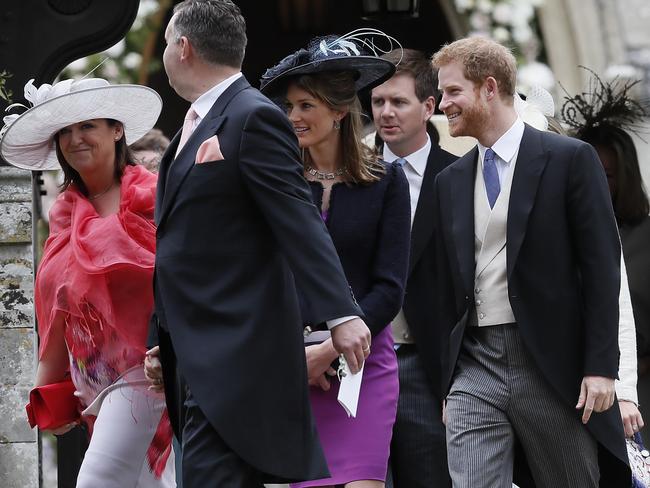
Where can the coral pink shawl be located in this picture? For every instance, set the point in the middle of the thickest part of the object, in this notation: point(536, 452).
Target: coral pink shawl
point(100, 268)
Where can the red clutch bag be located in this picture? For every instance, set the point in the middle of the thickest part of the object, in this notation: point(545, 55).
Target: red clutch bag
point(51, 406)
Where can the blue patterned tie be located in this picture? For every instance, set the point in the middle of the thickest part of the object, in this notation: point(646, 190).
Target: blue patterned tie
point(491, 177)
point(400, 161)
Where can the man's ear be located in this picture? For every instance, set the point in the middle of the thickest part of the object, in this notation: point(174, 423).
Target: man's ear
point(186, 48)
point(491, 87)
point(429, 107)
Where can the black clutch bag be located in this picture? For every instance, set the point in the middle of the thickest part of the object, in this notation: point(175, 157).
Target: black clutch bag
point(313, 337)
point(317, 336)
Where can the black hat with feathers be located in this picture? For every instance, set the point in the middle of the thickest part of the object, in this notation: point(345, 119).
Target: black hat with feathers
point(604, 105)
point(355, 51)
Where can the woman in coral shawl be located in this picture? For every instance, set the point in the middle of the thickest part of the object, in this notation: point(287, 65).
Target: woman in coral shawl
point(93, 288)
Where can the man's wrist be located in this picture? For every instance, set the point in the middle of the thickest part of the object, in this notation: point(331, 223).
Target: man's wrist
point(336, 322)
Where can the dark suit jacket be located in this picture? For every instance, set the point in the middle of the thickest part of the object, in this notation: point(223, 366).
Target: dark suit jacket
point(232, 236)
point(418, 308)
point(563, 255)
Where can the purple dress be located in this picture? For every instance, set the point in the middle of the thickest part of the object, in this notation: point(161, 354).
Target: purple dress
point(358, 448)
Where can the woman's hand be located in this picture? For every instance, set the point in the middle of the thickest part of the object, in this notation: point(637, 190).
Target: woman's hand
point(632, 419)
point(322, 381)
point(319, 360)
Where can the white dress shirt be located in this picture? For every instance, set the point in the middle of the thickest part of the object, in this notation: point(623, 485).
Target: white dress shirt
point(505, 148)
point(204, 103)
point(414, 168)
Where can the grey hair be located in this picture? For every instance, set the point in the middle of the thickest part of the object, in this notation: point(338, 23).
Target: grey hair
point(215, 28)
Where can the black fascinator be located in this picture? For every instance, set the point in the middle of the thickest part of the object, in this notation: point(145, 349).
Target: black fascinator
point(355, 51)
point(603, 106)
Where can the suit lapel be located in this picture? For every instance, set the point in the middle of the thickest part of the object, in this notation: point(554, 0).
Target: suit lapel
point(462, 222)
point(178, 168)
point(531, 161)
point(163, 169)
point(423, 219)
point(181, 166)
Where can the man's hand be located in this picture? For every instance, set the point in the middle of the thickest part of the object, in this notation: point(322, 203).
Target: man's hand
point(596, 395)
point(352, 339)
point(632, 419)
point(153, 370)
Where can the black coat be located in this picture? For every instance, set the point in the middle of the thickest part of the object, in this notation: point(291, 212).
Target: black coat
point(563, 256)
point(369, 225)
point(232, 236)
point(419, 310)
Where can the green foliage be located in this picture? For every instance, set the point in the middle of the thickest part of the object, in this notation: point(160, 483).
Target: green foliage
point(5, 93)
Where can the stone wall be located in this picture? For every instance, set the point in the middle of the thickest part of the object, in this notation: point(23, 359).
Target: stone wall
point(634, 19)
point(19, 453)
point(602, 35)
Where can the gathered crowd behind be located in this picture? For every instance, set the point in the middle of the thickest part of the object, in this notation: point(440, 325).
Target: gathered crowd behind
point(276, 296)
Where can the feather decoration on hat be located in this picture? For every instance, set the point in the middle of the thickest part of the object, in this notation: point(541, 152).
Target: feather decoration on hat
point(604, 104)
point(37, 95)
point(537, 108)
point(359, 42)
point(347, 43)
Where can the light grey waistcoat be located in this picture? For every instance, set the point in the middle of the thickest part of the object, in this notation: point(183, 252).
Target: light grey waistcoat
point(492, 305)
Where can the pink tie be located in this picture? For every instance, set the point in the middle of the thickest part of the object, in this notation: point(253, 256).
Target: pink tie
point(188, 128)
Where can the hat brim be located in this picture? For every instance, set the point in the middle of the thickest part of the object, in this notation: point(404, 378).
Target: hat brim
point(28, 142)
point(372, 71)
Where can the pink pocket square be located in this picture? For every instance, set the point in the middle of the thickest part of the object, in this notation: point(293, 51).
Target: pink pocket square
point(209, 151)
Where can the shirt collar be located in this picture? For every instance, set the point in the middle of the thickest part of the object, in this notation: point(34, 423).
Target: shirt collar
point(417, 160)
point(204, 103)
point(508, 144)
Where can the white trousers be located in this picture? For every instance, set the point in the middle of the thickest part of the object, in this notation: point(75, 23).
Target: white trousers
point(126, 423)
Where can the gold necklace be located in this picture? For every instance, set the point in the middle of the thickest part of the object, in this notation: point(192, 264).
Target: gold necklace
point(319, 175)
point(95, 197)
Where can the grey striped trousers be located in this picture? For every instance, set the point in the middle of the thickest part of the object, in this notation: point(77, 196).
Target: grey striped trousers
point(499, 393)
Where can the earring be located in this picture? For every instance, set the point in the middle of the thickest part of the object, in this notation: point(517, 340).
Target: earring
point(337, 124)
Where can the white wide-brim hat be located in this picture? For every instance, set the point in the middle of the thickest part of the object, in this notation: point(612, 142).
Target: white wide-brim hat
point(28, 139)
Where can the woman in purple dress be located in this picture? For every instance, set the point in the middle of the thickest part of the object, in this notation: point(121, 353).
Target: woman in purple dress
point(365, 205)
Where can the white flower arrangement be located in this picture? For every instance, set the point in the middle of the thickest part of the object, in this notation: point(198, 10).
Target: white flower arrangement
point(511, 22)
point(508, 21)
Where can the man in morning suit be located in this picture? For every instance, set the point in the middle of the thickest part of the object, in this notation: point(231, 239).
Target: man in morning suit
point(237, 233)
point(528, 265)
point(401, 110)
